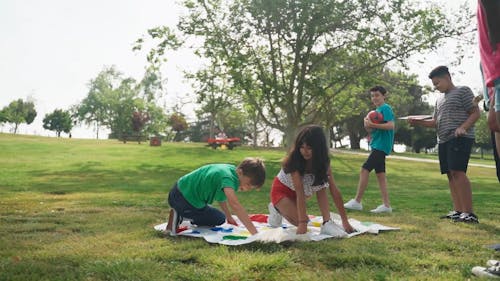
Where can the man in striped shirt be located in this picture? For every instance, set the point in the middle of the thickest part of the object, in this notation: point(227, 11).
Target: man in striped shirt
point(454, 116)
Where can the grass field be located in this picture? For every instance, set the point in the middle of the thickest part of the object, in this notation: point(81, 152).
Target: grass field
point(85, 209)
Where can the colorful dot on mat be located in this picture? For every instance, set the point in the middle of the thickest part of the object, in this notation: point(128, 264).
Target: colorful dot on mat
point(316, 223)
point(258, 218)
point(221, 229)
point(234, 237)
point(244, 232)
point(181, 229)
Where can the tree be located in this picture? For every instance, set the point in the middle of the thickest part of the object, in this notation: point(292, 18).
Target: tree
point(273, 49)
point(3, 117)
point(178, 123)
point(113, 99)
point(423, 138)
point(483, 133)
point(139, 120)
point(18, 112)
point(59, 121)
point(212, 90)
point(94, 109)
point(122, 103)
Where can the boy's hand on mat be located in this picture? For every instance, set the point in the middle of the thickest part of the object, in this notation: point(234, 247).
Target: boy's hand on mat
point(348, 227)
point(232, 221)
point(302, 228)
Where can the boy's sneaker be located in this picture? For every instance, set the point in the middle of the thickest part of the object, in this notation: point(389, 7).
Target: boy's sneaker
point(382, 209)
point(451, 215)
point(467, 218)
point(176, 221)
point(275, 218)
point(493, 263)
point(492, 271)
point(330, 228)
point(353, 205)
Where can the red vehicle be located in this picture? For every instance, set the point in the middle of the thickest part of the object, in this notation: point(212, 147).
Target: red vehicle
point(230, 143)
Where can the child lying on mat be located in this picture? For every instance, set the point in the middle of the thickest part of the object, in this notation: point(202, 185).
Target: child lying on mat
point(192, 194)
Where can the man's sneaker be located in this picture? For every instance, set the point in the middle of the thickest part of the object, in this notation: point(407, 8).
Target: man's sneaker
point(492, 271)
point(451, 215)
point(495, 247)
point(493, 263)
point(176, 221)
point(353, 205)
point(330, 228)
point(382, 209)
point(275, 218)
point(467, 218)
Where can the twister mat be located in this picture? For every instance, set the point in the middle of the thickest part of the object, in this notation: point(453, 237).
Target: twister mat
point(228, 234)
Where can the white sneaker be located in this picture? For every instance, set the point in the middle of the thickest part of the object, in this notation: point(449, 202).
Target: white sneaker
point(176, 221)
point(275, 219)
point(353, 205)
point(491, 272)
point(493, 263)
point(382, 209)
point(332, 229)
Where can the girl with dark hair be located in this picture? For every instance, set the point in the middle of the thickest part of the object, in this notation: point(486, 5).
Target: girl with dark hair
point(306, 170)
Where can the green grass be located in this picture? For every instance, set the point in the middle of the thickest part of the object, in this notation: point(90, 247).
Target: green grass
point(486, 159)
point(85, 209)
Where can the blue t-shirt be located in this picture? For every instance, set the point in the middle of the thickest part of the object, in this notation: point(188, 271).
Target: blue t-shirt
point(383, 139)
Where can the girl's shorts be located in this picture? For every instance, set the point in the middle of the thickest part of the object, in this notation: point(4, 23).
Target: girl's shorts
point(279, 191)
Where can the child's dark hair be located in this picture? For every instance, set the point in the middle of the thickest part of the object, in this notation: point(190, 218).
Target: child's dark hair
point(314, 137)
point(254, 169)
point(380, 89)
point(439, 71)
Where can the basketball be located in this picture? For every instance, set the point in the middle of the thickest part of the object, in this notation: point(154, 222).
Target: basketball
point(376, 117)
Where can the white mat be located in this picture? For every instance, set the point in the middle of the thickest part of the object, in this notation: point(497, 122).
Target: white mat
point(228, 234)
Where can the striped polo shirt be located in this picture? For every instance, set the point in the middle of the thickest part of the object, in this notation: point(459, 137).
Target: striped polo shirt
point(451, 111)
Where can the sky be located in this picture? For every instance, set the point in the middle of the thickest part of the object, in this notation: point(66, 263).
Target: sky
point(51, 49)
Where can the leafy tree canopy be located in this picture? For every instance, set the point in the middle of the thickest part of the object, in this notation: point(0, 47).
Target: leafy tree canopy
point(18, 112)
point(59, 120)
point(274, 51)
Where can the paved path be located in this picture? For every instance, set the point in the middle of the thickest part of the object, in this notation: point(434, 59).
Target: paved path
point(409, 158)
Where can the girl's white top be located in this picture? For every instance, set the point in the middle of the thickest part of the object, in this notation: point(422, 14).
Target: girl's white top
point(307, 182)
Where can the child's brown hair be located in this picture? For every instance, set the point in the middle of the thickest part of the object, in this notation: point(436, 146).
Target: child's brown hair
point(254, 168)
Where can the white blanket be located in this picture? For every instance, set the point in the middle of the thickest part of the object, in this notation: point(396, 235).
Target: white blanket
point(228, 234)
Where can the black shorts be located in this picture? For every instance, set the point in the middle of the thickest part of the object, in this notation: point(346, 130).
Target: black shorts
point(376, 161)
point(454, 154)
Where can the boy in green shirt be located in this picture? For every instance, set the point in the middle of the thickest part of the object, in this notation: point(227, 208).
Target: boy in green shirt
point(382, 139)
point(192, 195)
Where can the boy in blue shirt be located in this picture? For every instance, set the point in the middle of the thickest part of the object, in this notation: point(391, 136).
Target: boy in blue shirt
point(382, 139)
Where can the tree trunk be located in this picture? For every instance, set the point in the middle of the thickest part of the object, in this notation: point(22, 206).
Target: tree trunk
point(97, 130)
point(212, 126)
point(289, 136)
point(354, 139)
point(328, 138)
point(255, 134)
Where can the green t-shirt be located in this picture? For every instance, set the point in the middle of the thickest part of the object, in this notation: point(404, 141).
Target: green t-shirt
point(383, 139)
point(206, 184)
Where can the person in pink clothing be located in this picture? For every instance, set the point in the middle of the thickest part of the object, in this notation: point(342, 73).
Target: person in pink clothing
point(488, 26)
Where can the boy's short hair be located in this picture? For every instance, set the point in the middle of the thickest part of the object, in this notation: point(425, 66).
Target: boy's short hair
point(380, 89)
point(254, 169)
point(439, 71)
